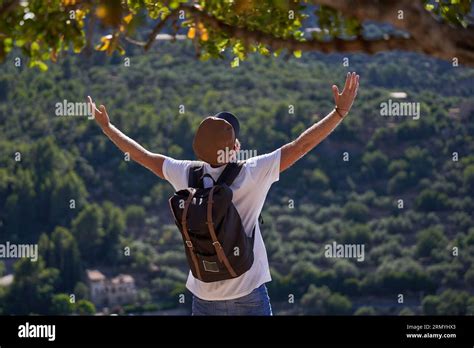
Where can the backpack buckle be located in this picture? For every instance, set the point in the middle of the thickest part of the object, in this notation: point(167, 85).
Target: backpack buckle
point(189, 244)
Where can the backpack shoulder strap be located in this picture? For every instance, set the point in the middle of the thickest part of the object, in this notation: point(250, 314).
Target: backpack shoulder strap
point(230, 173)
point(195, 175)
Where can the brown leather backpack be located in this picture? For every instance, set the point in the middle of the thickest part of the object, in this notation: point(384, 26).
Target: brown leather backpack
point(216, 245)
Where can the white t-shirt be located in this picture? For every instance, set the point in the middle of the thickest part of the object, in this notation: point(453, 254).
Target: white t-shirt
point(249, 189)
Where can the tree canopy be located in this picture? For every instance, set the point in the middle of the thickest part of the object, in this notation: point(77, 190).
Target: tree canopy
point(46, 30)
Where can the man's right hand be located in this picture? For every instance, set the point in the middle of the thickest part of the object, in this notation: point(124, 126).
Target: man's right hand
point(100, 114)
point(138, 153)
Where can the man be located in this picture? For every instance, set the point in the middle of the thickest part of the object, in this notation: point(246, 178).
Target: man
point(245, 294)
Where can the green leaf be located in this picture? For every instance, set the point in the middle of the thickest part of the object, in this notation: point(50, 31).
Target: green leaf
point(20, 42)
point(121, 50)
point(174, 4)
point(37, 63)
point(35, 46)
point(297, 54)
point(8, 44)
point(235, 62)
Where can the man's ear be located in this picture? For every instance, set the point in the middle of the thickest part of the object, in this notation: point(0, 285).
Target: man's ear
point(237, 145)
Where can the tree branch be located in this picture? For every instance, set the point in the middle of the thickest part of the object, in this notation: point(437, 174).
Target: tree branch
point(427, 35)
point(134, 42)
point(432, 36)
point(90, 35)
point(8, 6)
point(275, 43)
point(159, 26)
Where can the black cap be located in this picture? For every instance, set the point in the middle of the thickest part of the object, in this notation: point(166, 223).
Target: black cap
point(231, 119)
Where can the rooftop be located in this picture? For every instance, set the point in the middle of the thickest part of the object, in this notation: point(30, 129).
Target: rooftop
point(94, 275)
point(6, 280)
point(122, 278)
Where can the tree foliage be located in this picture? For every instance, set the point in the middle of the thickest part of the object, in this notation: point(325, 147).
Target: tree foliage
point(46, 30)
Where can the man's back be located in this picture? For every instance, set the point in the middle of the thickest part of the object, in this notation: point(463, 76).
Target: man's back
point(249, 189)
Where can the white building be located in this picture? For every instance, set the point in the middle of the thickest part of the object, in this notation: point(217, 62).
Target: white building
point(112, 292)
point(6, 280)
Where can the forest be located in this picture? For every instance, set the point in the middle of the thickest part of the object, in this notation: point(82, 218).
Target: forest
point(401, 186)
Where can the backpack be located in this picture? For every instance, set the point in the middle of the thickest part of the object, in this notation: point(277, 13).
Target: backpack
point(215, 242)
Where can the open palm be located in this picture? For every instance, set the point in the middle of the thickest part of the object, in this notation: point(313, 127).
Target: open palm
point(100, 114)
point(345, 99)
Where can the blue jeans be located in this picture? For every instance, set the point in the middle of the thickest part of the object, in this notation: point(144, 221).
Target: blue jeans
point(255, 303)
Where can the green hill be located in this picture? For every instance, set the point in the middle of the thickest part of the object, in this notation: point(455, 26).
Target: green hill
point(348, 190)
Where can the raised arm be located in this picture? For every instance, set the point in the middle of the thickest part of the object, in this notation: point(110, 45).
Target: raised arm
point(311, 137)
point(138, 153)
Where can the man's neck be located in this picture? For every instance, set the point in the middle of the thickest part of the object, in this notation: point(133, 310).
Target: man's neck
point(213, 166)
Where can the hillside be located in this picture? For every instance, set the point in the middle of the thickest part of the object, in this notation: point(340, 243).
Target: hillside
point(347, 190)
